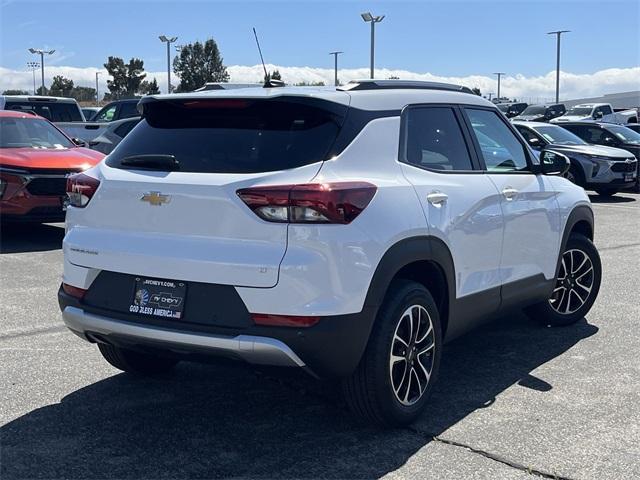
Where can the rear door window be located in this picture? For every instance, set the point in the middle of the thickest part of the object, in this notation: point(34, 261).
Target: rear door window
point(128, 110)
point(234, 135)
point(433, 140)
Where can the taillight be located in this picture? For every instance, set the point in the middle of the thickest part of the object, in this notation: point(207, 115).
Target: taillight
point(283, 320)
point(81, 188)
point(339, 202)
point(73, 291)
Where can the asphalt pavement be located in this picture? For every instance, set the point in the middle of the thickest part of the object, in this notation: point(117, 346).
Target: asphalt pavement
point(515, 400)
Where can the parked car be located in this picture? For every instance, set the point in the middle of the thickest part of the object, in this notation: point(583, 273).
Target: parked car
point(35, 159)
point(587, 112)
point(54, 109)
point(511, 109)
point(609, 135)
point(117, 110)
point(89, 112)
point(113, 135)
point(633, 126)
point(607, 170)
point(258, 224)
point(541, 113)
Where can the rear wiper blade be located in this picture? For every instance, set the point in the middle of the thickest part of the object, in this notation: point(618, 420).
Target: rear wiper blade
point(152, 161)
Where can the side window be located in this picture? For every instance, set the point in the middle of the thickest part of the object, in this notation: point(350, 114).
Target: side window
point(500, 148)
point(606, 110)
point(434, 140)
point(594, 135)
point(106, 115)
point(128, 109)
point(125, 128)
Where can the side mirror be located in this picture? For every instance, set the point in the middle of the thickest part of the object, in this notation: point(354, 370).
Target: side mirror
point(554, 163)
point(79, 142)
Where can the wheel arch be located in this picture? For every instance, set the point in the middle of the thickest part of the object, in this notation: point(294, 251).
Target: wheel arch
point(426, 260)
point(580, 220)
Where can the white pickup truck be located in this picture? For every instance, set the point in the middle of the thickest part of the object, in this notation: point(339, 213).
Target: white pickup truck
point(603, 112)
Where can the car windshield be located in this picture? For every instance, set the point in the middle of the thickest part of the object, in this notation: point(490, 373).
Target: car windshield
point(579, 111)
point(559, 135)
point(31, 133)
point(534, 110)
point(625, 134)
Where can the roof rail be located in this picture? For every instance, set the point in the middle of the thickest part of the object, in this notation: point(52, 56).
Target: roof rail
point(402, 84)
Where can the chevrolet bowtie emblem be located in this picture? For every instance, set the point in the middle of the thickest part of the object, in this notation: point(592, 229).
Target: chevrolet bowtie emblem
point(155, 198)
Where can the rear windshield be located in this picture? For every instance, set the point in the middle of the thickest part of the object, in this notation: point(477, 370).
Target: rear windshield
point(234, 135)
point(53, 111)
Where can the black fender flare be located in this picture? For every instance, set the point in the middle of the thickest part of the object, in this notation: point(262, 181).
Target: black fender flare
point(581, 213)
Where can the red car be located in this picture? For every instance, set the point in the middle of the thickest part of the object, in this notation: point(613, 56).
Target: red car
point(35, 159)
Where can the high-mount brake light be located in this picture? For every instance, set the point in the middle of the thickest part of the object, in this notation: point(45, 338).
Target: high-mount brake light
point(81, 188)
point(339, 202)
point(218, 103)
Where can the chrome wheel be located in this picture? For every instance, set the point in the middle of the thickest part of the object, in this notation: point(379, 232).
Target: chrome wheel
point(574, 283)
point(412, 355)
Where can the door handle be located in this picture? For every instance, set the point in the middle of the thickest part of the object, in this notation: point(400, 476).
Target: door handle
point(509, 193)
point(437, 198)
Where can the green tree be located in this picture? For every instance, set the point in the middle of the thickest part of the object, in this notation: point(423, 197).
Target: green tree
point(198, 64)
point(149, 88)
point(42, 91)
point(83, 94)
point(61, 86)
point(15, 92)
point(477, 91)
point(126, 77)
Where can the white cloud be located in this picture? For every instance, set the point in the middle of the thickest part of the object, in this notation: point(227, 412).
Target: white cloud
point(531, 89)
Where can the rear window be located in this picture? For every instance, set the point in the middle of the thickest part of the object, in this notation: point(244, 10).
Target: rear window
point(234, 135)
point(53, 111)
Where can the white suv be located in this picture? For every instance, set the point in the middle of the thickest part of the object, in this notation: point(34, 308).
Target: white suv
point(348, 231)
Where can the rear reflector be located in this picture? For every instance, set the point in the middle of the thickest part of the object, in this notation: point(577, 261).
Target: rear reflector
point(73, 291)
point(80, 189)
point(339, 202)
point(283, 320)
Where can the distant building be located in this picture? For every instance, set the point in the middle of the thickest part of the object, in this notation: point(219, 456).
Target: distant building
point(617, 100)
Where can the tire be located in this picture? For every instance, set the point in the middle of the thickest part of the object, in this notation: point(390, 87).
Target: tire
point(606, 193)
point(137, 363)
point(575, 175)
point(370, 392)
point(561, 310)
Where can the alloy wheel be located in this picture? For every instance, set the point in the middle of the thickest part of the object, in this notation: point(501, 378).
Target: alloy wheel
point(412, 355)
point(574, 283)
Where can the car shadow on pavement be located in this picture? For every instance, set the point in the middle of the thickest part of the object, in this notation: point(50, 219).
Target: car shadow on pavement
point(30, 237)
point(218, 421)
point(613, 199)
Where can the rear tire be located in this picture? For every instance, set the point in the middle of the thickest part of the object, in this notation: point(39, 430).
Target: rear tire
point(394, 379)
point(575, 175)
point(137, 363)
point(576, 287)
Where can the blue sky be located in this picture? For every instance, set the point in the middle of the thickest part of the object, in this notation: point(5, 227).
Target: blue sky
point(449, 38)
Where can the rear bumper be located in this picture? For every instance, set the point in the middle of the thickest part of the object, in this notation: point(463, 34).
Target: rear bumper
point(331, 348)
point(253, 349)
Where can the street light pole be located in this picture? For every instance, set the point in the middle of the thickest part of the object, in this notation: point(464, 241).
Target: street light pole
point(33, 66)
point(97, 90)
point(168, 41)
point(558, 33)
point(335, 58)
point(499, 74)
point(368, 17)
point(41, 53)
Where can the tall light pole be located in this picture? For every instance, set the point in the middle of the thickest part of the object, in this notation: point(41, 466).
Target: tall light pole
point(368, 17)
point(41, 52)
point(168, 41)
point(33, 66)
point(499, 74)
point(335, 58)
point(557, 33)
point(97, 89)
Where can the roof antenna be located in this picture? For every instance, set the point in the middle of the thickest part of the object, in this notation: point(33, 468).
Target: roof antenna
point(268, 82)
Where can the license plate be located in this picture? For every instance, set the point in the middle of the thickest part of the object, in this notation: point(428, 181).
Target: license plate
point(628, 177)
point(158, 298)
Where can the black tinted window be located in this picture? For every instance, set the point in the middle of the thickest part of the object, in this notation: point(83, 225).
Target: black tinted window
point(125, 128)
point(235, 136)
point(128, 109)
point(433, 140)
point(53, 111)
